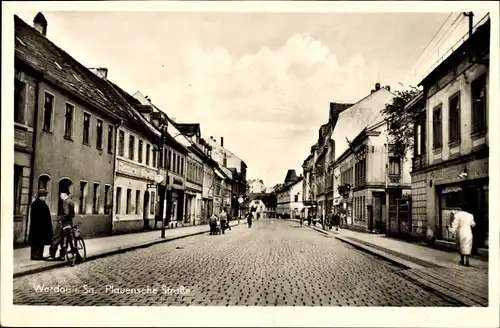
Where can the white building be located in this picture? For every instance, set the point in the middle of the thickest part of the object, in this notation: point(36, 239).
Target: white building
point(256, 186)
point(289, 196)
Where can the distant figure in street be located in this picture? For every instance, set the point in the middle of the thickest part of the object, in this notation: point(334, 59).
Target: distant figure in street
point(249, 219)
point(336, 221)
point(65, 220)
point(330, 219)
point(40, 226)
point(212, 222)
point(461, 225)
point(223, 220)
point(309, 219)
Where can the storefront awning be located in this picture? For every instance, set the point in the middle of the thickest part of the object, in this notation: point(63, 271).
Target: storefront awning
point(451, 189)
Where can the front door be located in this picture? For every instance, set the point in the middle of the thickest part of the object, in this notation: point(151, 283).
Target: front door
point(474, 197)
point(145, 210)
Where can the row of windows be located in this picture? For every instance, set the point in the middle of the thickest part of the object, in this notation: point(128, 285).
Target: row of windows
point(48, 118)
point(194, 171)
point(479, 121)
point(134, 207)
point(360, 172)
point(346, 176)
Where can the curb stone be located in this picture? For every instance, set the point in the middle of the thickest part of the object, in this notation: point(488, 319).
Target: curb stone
point(108, 252)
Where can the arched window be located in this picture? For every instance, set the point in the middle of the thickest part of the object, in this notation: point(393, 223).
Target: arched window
point(44, 182)
point(66, 186)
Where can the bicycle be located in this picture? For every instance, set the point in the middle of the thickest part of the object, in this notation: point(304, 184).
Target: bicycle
point(74, 245)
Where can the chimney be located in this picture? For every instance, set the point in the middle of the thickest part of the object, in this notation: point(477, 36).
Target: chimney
point(40, 24)
point(377, 86)
point(222, 141)
point(388, 87)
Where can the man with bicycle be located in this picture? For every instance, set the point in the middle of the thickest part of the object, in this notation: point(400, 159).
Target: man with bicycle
point(64, 226)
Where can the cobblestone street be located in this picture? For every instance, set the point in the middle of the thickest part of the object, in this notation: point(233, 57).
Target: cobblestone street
point(273, 263)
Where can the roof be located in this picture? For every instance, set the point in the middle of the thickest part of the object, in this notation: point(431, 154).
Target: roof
point(289, 184)
point(353, 120)
point(188, 129)
point(58, 67)
point(480, 38)
point(290, 176)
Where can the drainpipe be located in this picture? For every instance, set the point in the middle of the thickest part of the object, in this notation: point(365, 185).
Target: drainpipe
point(387, 205)
point(115, 159)
point(32, 161)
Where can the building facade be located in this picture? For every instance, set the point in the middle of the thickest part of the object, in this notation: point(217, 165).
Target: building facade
point(256, 186)
point(289, 202)
point(75, 117)
point(451, 155)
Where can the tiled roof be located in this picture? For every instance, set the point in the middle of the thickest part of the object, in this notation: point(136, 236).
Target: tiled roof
point(59, 67)
point(188, 129)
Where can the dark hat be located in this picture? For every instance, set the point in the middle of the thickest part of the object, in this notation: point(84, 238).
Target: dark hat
point(42, 192)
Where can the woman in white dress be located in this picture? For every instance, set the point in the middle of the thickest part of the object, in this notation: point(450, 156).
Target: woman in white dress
point(461, 226)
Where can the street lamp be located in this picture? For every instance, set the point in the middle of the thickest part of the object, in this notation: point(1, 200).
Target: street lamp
point(162, 124)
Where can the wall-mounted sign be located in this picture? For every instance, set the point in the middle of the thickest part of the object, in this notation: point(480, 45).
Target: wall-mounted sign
point(136, 170)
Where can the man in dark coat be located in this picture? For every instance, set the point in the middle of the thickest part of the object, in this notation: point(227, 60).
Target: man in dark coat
point(65, 219)
point(40, 226)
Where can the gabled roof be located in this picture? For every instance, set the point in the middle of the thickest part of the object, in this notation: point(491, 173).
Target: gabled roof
point(290, 176)
point(353, 120)
point(188, 129)
point(58, 67)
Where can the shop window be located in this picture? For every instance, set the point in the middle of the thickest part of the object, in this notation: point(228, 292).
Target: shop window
point(107, 190)
point(118, 200)
point(110, 138)
point(153, 201)
point(19, 101)
point(137, 200)
point(99, 134)
point(479, 105)
point(68, 121)
point(83, 197)
point(437, 126)
point(121, 143)
point(86, 128)
point(48, 109)
point(129, 200)
point(18, 176)
point(454, 118)
point(95, 199)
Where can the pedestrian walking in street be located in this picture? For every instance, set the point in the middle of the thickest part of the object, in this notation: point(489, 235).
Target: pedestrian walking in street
point(249, 219)
point(331, 220)
point(64, 220)
point(309, 219)
point(461, 226)
point(223, 220)
point(336, 221)
point(40, 226)
point(212, 222)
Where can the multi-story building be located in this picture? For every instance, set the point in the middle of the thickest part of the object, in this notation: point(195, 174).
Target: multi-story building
point(208, 190)
point(72, 115)
point(289, 196)
point(256, 186)
point(451, 153)
point(359, 177)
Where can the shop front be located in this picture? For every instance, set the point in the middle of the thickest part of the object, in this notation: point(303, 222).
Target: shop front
point(177, 200)
point(470, 192)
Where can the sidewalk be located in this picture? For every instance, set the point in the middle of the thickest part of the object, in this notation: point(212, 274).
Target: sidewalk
point(100, 247)
point(433, 268)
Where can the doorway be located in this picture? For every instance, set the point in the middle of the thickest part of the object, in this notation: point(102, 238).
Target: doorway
point(145, 210)
point(65, 186)
point(475, 197)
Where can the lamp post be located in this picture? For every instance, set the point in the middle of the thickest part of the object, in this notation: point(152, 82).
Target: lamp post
point(161, 124)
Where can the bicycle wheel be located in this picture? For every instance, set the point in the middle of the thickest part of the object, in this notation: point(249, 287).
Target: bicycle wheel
point(80, 248)
point(70, 253)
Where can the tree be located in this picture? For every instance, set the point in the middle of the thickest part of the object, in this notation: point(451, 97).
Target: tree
point(400, 121)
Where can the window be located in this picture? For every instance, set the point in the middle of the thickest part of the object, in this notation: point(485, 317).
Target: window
point(182, 166)
point(437, 128)
point(154, 157)
point(86, 128)
point(178, 164)
point(83, 197)
point(394, 166)
point(174, 168)
point(479, 110)
point(110, 139)
point(148, 150)
point(118, 200)
point(95, 200)
point(420, 135)
point(43, 182)
point(99, 134)
point(48, 108)
point(68, 121)
point(153, 201)
point(129, 198)
point(170, 160)
point(454, 119)
point(139, 152)
point(418, 140)
point(137, 200)
point(131, 147)
point(19, 102)
point(107, 190)
point(18, 177)
point(121, 143)
point(296, 198)
point(165, 165)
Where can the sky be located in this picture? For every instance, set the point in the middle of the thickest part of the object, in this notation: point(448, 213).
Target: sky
point(263, 81)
